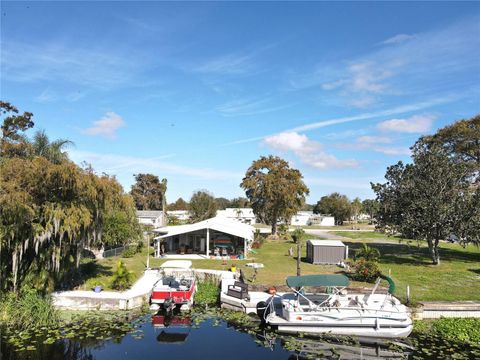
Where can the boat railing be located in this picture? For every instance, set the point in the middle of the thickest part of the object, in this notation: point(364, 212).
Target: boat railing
point(359, 309)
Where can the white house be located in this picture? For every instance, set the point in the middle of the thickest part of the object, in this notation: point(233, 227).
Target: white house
point(153, 218)
point(322, 220)
point(244, 215)
point(305, 218)
point(301, 218)
point(213, 237)
point(182, 215)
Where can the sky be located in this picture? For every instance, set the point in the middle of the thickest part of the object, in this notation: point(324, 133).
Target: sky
point(194, 92)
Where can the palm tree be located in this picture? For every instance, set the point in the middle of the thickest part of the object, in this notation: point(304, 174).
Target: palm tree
point(368, 253)
point(53, 151)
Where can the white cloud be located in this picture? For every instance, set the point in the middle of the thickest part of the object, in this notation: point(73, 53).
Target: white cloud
point(363, 102)
point(53, 61)
point(392, 150)
point(230, 64)
point(403, 68)
point(245, 107)
point(371, 143)
point(47, 96)
point(364, 116)
point(107, 126)
point(397, 39)
point(308, 151)
point(413, 124)
point(374, 139)
point(114, 164)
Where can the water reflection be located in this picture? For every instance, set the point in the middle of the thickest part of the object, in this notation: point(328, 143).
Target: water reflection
point(174, 329)
point(183, 338)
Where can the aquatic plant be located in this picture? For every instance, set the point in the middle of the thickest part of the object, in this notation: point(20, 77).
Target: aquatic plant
point(26, 309)
point(208, 292)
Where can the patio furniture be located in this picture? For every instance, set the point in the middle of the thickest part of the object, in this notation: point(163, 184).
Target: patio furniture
point(238, 290)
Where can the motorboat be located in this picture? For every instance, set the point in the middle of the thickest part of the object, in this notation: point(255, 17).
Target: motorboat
point(175, 287)
point(335, 310)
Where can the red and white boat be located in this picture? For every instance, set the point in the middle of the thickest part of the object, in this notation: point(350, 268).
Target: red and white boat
point(176, 286)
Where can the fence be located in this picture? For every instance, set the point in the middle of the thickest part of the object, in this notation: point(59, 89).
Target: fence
point(116, 251)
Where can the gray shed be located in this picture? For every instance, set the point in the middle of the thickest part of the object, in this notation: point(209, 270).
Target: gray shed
point(326, 251)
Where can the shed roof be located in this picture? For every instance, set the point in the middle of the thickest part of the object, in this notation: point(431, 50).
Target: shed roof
point(326, 243)
point(221, 224)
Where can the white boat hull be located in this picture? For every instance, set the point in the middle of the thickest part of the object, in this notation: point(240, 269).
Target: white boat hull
point(346, 330)
point(373, 317)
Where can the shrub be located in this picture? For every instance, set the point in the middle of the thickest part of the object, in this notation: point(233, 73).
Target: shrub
point(140, 246)
point(129, 252)
point(365, 270)
point(298, 235)
point(122, 277)
point(256, 245)
point(368, 253)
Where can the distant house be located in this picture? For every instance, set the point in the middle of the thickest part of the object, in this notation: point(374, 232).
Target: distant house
point(181, 215)
point(301, 218)
point(322, 220)
point(244, 215)
point(305, 218)
point(213, 237)
point(152, 218)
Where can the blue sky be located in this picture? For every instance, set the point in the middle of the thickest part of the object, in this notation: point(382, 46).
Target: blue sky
point(195, 92)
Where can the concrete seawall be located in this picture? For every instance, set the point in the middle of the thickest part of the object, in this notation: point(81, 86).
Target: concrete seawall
point(133, 298)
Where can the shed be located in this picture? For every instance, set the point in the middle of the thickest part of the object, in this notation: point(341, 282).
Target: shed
point(326, 251)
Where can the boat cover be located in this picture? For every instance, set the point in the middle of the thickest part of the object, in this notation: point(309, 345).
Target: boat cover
point(317, 280)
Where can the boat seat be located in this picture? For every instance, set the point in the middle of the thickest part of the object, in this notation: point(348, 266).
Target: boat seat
point(317, 299)
point(238, 290)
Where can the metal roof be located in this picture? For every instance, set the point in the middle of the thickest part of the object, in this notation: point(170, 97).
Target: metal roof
point(221, 224)
point(326, 243)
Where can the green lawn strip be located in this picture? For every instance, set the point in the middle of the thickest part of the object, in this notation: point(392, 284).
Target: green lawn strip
point(455, 279)
point(363, 235)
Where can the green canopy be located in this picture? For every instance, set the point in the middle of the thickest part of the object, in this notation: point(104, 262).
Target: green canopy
point(317, 280)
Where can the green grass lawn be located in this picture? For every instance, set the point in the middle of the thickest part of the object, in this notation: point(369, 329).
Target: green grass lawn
point(364, 235)
point(456, 278)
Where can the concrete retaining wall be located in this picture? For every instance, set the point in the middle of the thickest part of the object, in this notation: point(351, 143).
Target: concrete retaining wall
point(454, 309)
point(135, 297)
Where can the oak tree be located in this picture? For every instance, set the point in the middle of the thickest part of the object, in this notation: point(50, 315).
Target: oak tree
point(274, 189)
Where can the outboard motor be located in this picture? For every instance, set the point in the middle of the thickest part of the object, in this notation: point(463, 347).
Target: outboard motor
point(263, 309)
point(169, 305)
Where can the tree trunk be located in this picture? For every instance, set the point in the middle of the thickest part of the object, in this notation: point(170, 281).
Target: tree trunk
point(274, 227)
point(299, 256)
point(433, 247)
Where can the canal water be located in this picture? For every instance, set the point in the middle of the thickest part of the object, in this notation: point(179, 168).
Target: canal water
point(182, 337)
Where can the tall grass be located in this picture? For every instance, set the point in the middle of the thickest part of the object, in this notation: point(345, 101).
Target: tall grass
point(26, 310)
point(208, 291)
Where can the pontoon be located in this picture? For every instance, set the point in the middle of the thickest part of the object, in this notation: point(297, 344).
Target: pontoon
point(335, 310)
point(176, 286)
